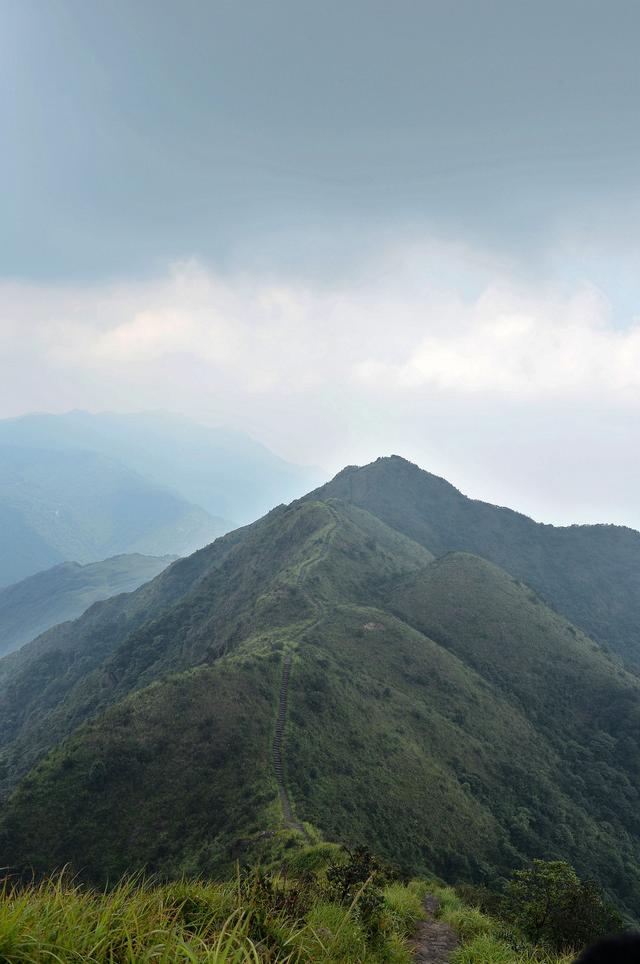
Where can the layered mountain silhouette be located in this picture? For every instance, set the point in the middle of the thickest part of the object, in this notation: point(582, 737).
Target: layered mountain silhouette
point(58, 506)
point(226, 472)
point(62, 593)
point(440, 706)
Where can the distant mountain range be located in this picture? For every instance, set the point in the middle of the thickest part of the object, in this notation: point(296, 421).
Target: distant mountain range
point(435, 702)
point(32, 606)
point(82, 487)
point(80, 506)
point(226, 472)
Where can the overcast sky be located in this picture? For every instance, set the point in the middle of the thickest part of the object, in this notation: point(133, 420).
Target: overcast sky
point(350, 228)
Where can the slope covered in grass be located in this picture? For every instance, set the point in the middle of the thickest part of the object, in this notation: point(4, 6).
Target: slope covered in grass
point(37, 681)
point(168, 779)
point(438, 712)
point(487, 940)
point(590, 573)
point(268, 576)
point(437, 759)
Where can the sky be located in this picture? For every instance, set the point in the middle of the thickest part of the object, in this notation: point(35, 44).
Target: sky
point(349, 228)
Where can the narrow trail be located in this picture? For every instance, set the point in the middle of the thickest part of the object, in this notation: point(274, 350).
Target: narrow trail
point(434, 941)
point(285, 801)
point(320, 611)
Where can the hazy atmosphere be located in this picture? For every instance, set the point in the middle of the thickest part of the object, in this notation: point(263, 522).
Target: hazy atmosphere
point(346, 229)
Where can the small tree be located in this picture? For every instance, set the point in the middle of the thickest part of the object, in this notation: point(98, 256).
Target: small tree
point(550, 904)
point(359, 880)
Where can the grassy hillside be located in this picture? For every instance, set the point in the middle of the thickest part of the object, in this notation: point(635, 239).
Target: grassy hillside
point(437, 711)
point(289, 918)
point(591, 574)
point(263, 577)
point(486, 939)
point(44, 691)
point(294, 912)
point(168, 779)
point(84, 507)
point(62, 593)
point(398, 740)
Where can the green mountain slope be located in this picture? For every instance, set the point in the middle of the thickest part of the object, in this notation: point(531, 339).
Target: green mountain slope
point(165, 780)
point(44, 686)
point(84, 507)
point(62, 593)
point(201, 607)
point(437, 710)
point(590, 573)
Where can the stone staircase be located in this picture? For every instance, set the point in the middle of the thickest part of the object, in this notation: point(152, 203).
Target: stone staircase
point(285, 801)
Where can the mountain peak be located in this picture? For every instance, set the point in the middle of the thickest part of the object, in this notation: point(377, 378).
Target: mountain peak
point(380, 476)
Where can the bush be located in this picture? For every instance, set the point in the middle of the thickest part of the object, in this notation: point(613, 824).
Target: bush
point(551, 905)
point(358, 882)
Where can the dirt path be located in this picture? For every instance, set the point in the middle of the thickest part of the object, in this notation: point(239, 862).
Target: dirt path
point(434, 940)
point(278, 739)
point(285, 801)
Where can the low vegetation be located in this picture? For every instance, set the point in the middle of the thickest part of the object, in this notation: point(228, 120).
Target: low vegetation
point(324, 903)
point(348, 911)
point(545, 915)
point(589, 573)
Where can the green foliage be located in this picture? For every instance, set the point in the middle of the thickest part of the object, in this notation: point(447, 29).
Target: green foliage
point(357, 882)
point(438, 714)
point(550, 904)
point(487, 948)
point(589, 573)
point(136, 789)
point(485, 939)
point(313, 859)
point(346, 878)
point(258, 917)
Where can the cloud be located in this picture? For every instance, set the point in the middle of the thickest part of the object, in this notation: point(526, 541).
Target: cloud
point(513, 345)
point(404, 334)
point(436, 351)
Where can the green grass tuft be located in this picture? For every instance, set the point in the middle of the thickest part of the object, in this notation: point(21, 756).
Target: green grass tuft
point(254, 918)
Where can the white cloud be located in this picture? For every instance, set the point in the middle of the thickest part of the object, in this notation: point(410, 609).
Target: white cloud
point(436, 352)
point(276, 336)
point(506, 344)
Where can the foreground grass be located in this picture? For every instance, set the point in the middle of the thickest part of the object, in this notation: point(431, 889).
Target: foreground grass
point(255, 919)
point(485, 940)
